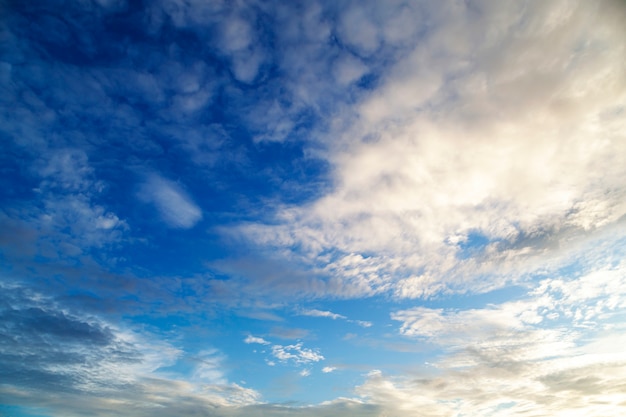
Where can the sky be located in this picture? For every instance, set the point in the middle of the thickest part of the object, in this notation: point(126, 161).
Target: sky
point(312, 208)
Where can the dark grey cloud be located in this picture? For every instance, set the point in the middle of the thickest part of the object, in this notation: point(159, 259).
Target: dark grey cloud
point(45, 348)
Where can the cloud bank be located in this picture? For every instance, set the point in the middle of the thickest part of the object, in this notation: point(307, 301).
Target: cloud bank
point(476, 154)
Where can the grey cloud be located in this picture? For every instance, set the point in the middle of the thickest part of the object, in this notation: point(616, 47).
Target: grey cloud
point(42, 347)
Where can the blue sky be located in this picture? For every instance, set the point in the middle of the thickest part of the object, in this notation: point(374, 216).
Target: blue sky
point(353, 208)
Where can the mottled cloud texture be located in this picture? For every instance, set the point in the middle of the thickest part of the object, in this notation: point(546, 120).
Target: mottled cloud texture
point(312, 208)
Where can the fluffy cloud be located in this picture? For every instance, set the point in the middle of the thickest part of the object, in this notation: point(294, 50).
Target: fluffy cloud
point(511, 137)
point(552, 351)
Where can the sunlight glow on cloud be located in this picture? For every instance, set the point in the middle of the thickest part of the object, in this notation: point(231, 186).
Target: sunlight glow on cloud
point(522, 155)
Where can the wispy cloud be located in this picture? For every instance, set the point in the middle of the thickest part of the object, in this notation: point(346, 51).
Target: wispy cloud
point(528, 348)
point(320, 313)
point(259, 340)
point(176, 208)
point(331, 315)
point(296, 354)
point(90, 359)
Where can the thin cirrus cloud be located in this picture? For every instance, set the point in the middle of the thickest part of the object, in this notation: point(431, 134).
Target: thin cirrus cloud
point(329, 314)
point(405, 208)
point(321, 313)
point(173, 204)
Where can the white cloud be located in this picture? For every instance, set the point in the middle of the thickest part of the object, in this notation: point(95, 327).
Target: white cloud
point(176, 208)
point(252, 339)
point(358, 31)
point(513, 133)
point(555, 350)
point(594, 297)
point(328, 369)
point(238, 42)
point(209, 368)
point(296, 354)
point(320, 313)
point(334, 316)
point(305, 372)
point(348, 69)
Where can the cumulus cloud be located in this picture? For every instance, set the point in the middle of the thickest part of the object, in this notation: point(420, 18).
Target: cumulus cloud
point(328, 369)
point(511, 135)
point(176, 208)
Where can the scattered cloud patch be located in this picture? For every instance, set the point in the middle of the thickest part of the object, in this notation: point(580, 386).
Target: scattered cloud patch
point(176, 208)
point(320, 313)
point(296, 354)
point(334, 316)
point(563, 332)
point(259, 340)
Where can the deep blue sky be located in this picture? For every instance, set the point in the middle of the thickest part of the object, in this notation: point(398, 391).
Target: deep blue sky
point(354, 208)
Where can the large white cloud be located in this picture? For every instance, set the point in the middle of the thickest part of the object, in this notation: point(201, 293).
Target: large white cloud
point(503, 123)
